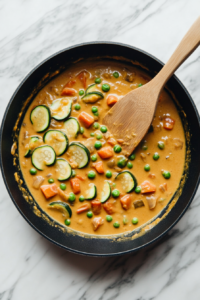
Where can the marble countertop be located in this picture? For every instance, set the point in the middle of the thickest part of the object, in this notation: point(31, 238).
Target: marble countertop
point(30, 266)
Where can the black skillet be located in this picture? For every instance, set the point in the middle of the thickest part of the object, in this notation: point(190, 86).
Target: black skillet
point(73, 242)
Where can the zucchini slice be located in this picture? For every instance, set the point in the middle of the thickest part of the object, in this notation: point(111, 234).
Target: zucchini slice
point(106, 192)
point(92, 97)
point(91, 193)
point(72, 127)
point(80, 154)
point(61, 109)
point(43, 156)
point(62, 206)
point(57, 139)
point(40, 118)
point(127, 180)
point(63, 169)
point(91, 88)
point(32, 145)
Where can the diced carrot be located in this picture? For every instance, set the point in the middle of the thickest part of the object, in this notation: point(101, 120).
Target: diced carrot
point(49, 190)
point(70, 83)
point(126, 202)
point(81, 177)
point(68, 92)
point(111, 141)
point(86, 119)
point(83, 77)
point(83, 208)
point(111, 100)
point(147, 187)
point(168, 123)
point(106, 152)
point(75, 184)
point(99, 167)
point(96, 222)
point(109, 208)
point(96, 207)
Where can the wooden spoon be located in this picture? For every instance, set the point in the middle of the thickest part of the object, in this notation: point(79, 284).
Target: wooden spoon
point(130, 118)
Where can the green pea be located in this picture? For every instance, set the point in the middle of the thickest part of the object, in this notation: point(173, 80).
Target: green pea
point(132, 156)
point(97, 145)
point(99, 136)
point(108, 174)
point(115, 193)
point(129, 165)
point(134, 221)
point(122, 162)
point(96, 114)
point(77, 106)
point(67, 222)
point(97, 80)
point(73, 174)
point(166, 174)
point(125, 220)
point(138, 189)
point(91, 174)
point(33, 171)
point(51, 180)
point(81, 92)
point(156, 156)
point(89, 214)
point(117, 148)
point(82, 130)
point(147, 168)
point(116, 74)
point(161, 145)
point(81, 198)
point(116, 224)
point(94, 109)
point(63, 186)
point(72, 197)
point(94, 157)
point(105, 87)
point(140, 84)
point(109, 218)
point(144, 147)
point(92, 134)
point(103, 129)
point(96, 125)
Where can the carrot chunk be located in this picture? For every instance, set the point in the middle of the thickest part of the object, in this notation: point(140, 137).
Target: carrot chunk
point(83, 208)
point(68, 92)
point(105, 152)
point(126, 202)
point(75, 184)
point(112, 141)
point(109, 208)
point(96, 222)
point(81, 177)
point(111, 100)
point(168, 123)
point(96, 206)
point(147, 187)
point(99, 167)
point(86, 119)
point(83, 77)
point(70, 83)
point(49, 190)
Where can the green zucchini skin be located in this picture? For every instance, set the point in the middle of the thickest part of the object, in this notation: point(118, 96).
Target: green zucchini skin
point(92, 97)
point(48, 115)
point(107, 196)
point(91, 88)
point(63, 206)
point(93, 194)
point(132, 177)
point(67, 166)
point(32, 139)
point(67, 113)
point(51, 131)
point(87, 153)
point(74, 122)
point(42, 148)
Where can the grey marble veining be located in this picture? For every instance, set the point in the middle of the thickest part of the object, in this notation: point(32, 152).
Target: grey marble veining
point(32, 268)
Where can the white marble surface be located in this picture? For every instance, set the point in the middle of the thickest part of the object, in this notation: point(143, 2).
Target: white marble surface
point(32, 268)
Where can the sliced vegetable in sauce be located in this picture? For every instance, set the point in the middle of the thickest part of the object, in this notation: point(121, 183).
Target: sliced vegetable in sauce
point(71, 127)
point(106, 192)
point(91, 193)
point(57, 139)
point(79, 154)
point(92, 97)
point(63, 169)
point(43, 156)
point(127, 180)
point(61, 109)
point(33, 143)
point(64, 207)
point(40, 118)
point(91, 88)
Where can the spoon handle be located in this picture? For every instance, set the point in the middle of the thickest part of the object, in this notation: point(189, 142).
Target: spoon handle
point(188, 44)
